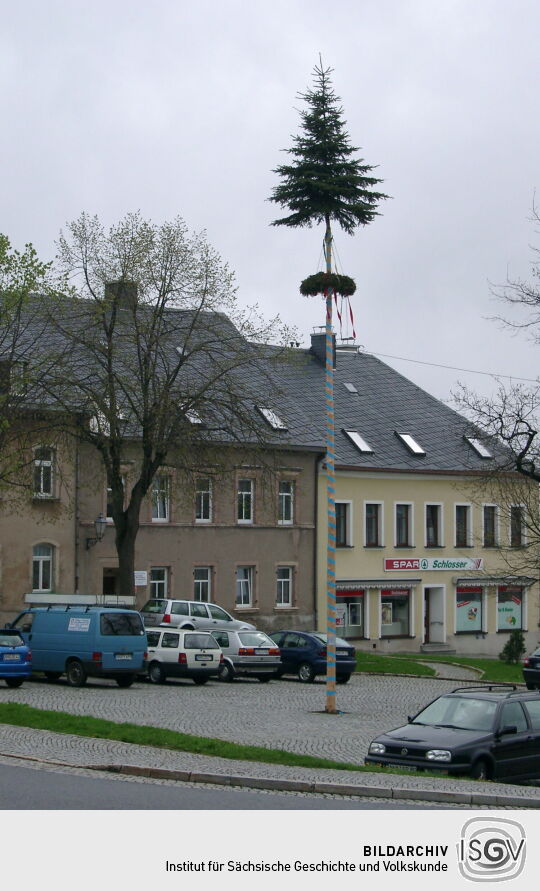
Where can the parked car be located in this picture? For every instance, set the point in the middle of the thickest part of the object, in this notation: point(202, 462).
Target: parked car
point(487, 732)
point(82, 642)
point(249, 653)
point(15, 658)
point(182, 654)
point(531, 670)
point(190, 615)
point(304, 653)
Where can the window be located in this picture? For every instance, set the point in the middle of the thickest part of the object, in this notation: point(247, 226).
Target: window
point(203, 500)
point(109, 506)
point(512, 715)
point(272, 418)
point(244, 585)
point(517, 532)
point(509, 608)
point(286, 503)
point(343, 524)
point(403, 535)
point(198, 610)
point(43, 472)
point(350, 387)
point(160, 499)
point(469, 610)
point(245, 501)
point(490, 526)
point(159, 582)
point(479, 447)
point(202, 583)
point(219, 614)
point(410, 443)
point(395, 613)
point(42, 567)
point(284, 581)
point(373, 525)
point(358, 441)
point(434, 537)
point(463, 526)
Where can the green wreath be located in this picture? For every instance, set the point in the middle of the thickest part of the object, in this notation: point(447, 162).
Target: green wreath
point(324, 281)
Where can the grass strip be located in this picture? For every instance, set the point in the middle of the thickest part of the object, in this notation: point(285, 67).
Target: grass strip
point(366, 662)
point(492, 669)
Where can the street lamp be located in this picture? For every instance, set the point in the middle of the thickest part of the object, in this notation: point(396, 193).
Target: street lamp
point(100, 524)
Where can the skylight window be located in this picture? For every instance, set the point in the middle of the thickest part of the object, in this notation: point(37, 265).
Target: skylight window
point(272, 418)
point(410, 443)
point(193, 417)
point(359, 442)
point(351, 388)
point(479, 447)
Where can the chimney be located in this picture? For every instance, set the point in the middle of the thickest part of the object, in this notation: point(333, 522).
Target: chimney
point(123, 292)
point(318, 347)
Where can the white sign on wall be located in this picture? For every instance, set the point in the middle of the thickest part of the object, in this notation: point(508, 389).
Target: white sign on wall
point(141, 578)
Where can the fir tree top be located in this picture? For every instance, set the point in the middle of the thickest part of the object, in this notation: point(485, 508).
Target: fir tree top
point(323, 182)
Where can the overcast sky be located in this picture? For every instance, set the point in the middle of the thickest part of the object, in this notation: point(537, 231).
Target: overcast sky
point(177, 107)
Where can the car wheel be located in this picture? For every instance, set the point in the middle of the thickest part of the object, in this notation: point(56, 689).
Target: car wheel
point(53, 675)
point(481, 770)
point(125, 680)
point(226, 672)
point(306, 673)
point(155, 673)
point(75, 673)
point(14, 682)
point(263, 678)
point(200, 681)
point(343, 678)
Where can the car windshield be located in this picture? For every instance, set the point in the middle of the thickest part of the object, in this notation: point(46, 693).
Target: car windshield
point(461, 712)
point(255, 639)
point(10, 640)
point(323, 639)
point(154, 606)
point(200, 642)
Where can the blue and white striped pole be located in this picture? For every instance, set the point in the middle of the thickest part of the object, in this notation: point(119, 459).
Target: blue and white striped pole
point(331, 495)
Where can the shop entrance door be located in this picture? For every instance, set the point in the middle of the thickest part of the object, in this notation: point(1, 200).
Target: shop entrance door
point(434, 619)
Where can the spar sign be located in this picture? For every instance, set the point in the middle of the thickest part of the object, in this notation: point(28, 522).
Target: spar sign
point(450, 564)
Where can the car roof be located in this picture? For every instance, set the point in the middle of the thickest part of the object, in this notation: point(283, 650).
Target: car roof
point(174, 630)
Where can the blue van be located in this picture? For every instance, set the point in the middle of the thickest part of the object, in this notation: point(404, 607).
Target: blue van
point(82, 642)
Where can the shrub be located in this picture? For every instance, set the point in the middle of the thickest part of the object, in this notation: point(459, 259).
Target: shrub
point(514, 647)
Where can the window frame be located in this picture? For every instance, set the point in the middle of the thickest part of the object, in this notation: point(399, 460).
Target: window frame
point(440, 524)
point(467, 507)
point(156, 583)
point(496, 525)
point(282, 584)
point(522, 528)
point(245, 502)
point(39, 464)
point(39, 560)
point(161, 498)
point(410, 524)
point(199, 583)
point(347, 542)
point(240, 603)
point(203, 500)
point(284, 499)
point(380, 524)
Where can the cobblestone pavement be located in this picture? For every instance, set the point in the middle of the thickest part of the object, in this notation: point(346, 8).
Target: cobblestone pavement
point(285, 715)
point(455, 672)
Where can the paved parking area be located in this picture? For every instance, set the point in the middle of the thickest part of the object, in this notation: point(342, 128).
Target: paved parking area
point(281, 714)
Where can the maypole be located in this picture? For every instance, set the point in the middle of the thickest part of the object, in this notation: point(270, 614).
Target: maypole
point(330, 491)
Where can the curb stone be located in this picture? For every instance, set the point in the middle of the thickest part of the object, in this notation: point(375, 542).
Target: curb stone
point(284, 785)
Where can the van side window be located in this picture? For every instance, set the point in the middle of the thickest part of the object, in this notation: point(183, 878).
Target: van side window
point(170, 640)
point(179, 608)
point(120, 623)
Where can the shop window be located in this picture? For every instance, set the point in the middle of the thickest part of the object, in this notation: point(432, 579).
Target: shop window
point(284, 583)
point(159, 582)
point(395, 613)
point(434, 535)
point(517, 527)
point(42, 567)
point(202, 583)
point(203, 500)
point(373, 525)
point(403, 528)
point(343, 524)
point(245, 501)
point(490, 526)
point(350, 613)
point(509, 608)
point(286, 503)
point(469, 610)
point(463, 530)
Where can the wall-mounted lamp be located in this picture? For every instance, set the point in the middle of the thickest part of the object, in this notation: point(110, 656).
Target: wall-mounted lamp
point(100, 524)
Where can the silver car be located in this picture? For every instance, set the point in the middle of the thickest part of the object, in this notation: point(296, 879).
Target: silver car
point(190, 615)
point(250, 653)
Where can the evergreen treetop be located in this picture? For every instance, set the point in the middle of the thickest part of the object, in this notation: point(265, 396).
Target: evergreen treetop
point(324, 182)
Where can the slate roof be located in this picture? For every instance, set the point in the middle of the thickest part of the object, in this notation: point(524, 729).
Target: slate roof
point(385, 403)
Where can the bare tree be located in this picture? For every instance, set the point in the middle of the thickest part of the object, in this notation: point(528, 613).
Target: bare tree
point(161, 367)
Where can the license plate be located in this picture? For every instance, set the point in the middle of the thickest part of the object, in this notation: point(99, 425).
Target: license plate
point(261, 652)
point(202, 657)
point(12, 657)
point(342, 652)
point(123, 655)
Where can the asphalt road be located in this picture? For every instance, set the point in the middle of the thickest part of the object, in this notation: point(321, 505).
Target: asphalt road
point(23, 788)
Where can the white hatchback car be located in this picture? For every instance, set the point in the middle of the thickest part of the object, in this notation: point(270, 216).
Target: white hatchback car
point(182, 654)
